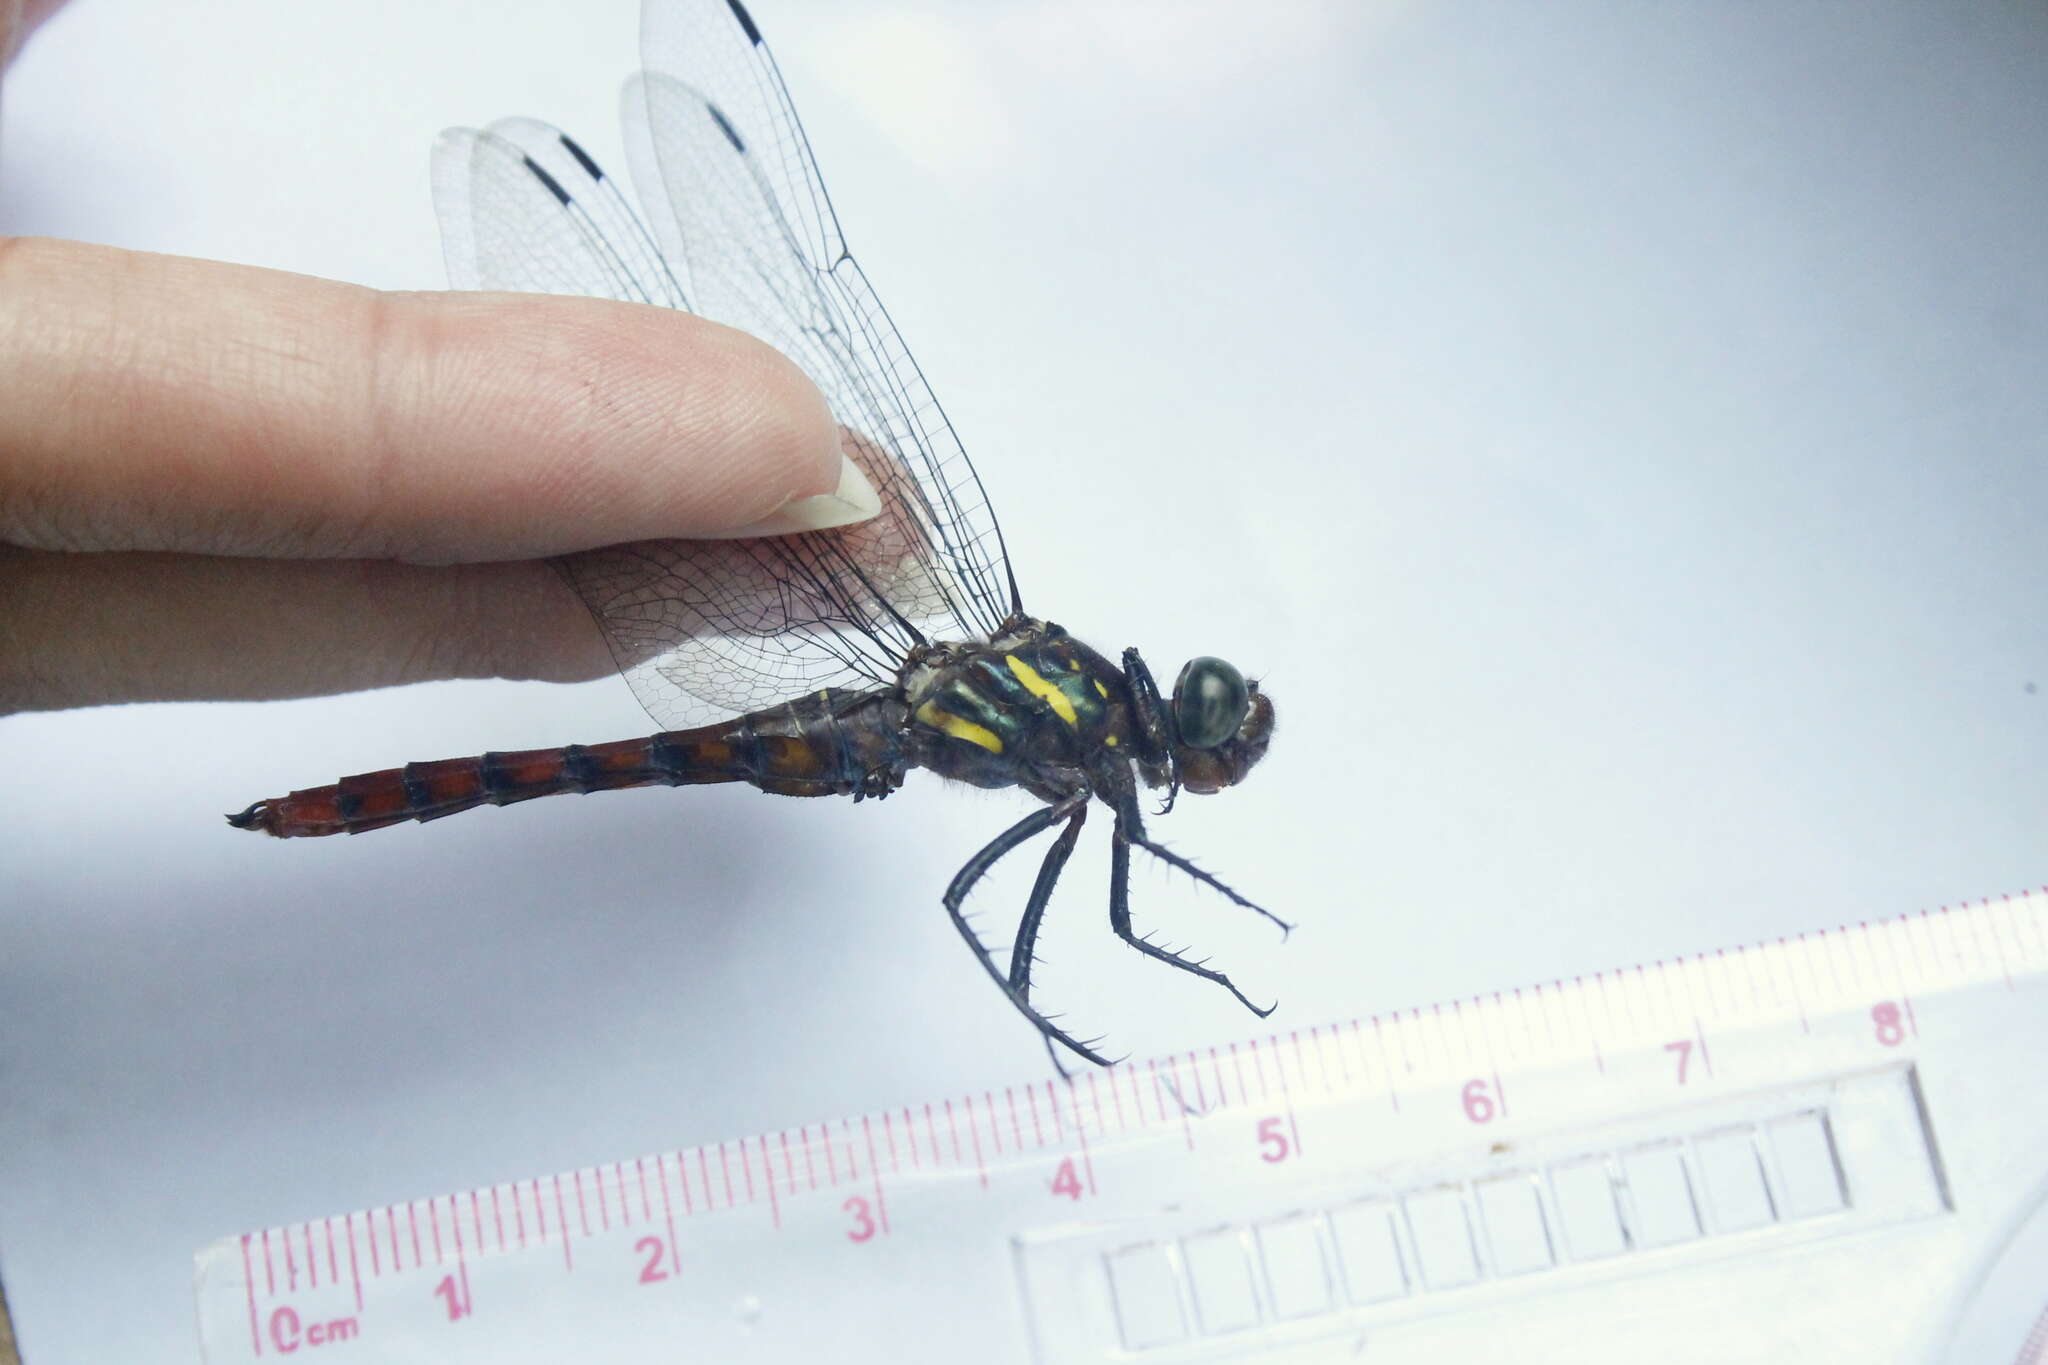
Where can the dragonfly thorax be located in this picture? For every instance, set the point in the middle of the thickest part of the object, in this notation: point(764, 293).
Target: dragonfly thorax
point(1030, 708)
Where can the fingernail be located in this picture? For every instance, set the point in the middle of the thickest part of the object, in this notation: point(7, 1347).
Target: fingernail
point(854, 501)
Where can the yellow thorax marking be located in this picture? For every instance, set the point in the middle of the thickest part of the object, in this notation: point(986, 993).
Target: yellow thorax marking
point(1110, 740)
point(959, 728)
point(1037, 686)
point(1101, 689)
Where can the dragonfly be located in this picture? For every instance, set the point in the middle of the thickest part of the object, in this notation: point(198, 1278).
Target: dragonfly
point(822, 663)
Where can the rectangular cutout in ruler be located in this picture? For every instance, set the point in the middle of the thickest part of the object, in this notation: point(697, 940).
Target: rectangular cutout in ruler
point(1830, 1158)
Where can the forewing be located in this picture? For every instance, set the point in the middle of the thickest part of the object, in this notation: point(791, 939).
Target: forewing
point(727, 177)
point(523, 208)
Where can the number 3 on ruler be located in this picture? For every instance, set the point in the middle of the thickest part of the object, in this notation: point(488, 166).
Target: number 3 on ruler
point(863, 1221)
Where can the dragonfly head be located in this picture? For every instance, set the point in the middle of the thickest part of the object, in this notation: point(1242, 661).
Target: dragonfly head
point(1222, 724)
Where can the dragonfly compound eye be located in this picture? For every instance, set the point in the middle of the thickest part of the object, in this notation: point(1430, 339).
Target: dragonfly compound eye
point(1210, 700)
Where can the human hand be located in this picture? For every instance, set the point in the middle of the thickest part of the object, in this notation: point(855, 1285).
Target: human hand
point(224, 482)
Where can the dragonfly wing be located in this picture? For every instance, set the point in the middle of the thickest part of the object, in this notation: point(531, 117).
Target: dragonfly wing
point(773, 260)
point(708, 628)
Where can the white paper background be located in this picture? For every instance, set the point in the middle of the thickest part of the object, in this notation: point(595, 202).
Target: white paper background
point(1615, 432)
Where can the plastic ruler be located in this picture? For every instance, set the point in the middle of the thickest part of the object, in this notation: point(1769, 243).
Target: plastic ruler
point(1829, 1146)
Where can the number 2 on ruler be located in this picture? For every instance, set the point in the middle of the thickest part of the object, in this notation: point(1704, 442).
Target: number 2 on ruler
point(653, 1250)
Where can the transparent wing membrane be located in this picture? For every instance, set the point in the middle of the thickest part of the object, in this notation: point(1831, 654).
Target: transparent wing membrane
point(738, 228)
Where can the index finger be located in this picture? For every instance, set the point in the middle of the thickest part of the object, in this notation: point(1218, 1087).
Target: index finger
point(159, 403)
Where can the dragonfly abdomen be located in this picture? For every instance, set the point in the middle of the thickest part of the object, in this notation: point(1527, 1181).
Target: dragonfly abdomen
point(833, 743)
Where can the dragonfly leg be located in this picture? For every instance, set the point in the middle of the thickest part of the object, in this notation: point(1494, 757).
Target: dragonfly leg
point(1120, 912)
point(1149, 713)
point(1041, 894)
point(977, 867)
point(1130, 828)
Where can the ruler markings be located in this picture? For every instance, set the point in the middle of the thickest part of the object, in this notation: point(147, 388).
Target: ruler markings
point(1958, 947)
point(1817, 958)
point(1608, 987)
point(1523, 1007)
point(1899, 968)
point(1713, 983)
point(2017, 910)
point(1998, 924)
point(995, 1125)
point(461, 1260)
point(1808, 959)
point(1080, 1135)
point(1470, 1061)
point(768, 1175)
point(1287, 1102)
point(1403, 1036)
point(1172, 1087)
point(1883, 953)
point(249, 1284)
point(562, 1225)
point(1792, 981)
point(1386, 1065)
point(874, 1166)
point(1998, 942)
point(973, 1133)
point(1973, 926)
point(1937, 943)
point(355, 1275)
point(668, 1217)
point(1588, 1035)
